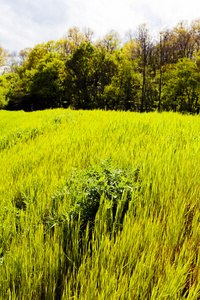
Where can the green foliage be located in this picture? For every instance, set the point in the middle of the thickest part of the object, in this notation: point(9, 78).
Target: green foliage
point(105, 68)
point(38, 52)
point(141, 75)
point(88, 187)
point(90, 70)
point(181, 89)
point(4, 85)
point(48, 82)
point(124, 89)
point(14, 89)
point(79, 66)
point(111, 41)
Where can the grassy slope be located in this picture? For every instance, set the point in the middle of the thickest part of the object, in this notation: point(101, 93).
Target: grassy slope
point(155, 256)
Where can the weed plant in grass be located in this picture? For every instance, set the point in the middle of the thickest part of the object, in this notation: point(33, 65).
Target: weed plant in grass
point(99, 205)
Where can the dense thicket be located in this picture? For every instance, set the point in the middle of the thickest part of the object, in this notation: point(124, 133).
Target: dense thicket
point(143, 74)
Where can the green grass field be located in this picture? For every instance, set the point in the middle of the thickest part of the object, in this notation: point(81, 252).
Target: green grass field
point(99, 205)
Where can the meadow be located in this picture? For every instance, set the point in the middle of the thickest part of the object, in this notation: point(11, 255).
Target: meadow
point(99, 205)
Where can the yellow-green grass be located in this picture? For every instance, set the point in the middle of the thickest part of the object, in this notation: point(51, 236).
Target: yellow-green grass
point(155, 254)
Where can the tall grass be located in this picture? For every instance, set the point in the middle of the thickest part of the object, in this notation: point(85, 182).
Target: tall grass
point(55, 164)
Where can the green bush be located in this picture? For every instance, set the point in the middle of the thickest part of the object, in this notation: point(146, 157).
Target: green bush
point(86, 188)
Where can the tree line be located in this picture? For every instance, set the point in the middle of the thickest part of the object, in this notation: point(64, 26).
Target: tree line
point(143, 74)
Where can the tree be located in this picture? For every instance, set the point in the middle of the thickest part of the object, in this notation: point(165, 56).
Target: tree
point(2, 57)
point(64, 47)
point(88, 35)
point(181, 87)
point(143, 49)
point(72, 40)
point(14, 91)
point(23, 54)
point(111, 41)
point(143, 75)
point(80, 74)
point(74, 34)
point(161, 54)
point(89, 70)
point(47, 87)
point(123, 92)
point(104, 65)
point(33, 56)
point(183, 39)
point(4, 87)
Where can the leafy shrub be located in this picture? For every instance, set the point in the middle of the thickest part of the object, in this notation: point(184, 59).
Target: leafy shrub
point(86, 188)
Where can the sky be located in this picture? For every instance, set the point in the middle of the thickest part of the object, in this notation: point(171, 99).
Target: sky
point(25, 23)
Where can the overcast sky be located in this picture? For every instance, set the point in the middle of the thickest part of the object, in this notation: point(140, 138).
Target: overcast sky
point(25, 23)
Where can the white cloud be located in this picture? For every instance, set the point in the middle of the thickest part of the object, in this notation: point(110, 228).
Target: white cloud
point(24, 23)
